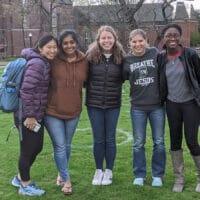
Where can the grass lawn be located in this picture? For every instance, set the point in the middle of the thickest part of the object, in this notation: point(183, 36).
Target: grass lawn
point(82, 166)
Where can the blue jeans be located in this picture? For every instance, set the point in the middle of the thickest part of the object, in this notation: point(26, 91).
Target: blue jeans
point(157, 123)
point(61, 133)
point(104, 124)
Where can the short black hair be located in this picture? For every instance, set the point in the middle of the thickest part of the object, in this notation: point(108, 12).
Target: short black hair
point(176, 26)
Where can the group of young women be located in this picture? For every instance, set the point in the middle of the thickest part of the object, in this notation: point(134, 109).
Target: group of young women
point(52, 96)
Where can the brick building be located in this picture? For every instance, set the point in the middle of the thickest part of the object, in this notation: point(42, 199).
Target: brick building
point(21, 24)
point(149, 18)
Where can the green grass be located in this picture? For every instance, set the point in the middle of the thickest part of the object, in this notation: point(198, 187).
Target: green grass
point(82, 166)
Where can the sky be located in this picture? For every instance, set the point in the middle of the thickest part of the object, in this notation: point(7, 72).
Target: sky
point(196, 4)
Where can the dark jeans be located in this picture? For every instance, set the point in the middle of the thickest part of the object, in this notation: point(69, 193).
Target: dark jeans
point(185, 115)
point(104, 124)
point(30, 147)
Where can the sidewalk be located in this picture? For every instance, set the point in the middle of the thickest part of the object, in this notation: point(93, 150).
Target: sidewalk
point(3, 64)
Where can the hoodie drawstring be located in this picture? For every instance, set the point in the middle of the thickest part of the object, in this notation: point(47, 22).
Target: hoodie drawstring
point(74, 75)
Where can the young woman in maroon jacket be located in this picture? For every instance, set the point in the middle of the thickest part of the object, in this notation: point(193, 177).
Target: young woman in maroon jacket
point(33, 93)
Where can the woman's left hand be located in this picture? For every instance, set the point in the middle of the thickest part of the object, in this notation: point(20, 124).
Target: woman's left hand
point(30, 123)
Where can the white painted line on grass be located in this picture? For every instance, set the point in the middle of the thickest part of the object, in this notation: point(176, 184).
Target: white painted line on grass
point(128, 136)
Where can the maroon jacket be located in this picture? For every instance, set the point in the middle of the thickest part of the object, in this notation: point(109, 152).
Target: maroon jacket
point(35, 84)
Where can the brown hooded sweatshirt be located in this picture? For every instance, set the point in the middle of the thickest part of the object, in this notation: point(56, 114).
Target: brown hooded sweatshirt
point(65, 91)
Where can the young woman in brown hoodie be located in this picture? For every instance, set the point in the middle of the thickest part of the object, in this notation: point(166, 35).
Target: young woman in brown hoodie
point(69, 71)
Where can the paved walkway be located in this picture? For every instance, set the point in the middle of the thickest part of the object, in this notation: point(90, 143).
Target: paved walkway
point(3, 64)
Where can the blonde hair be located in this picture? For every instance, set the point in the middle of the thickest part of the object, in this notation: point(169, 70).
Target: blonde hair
point(95, 52)
point(140, 32)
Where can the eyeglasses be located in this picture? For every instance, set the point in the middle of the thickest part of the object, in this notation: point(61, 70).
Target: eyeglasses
point(169, 36)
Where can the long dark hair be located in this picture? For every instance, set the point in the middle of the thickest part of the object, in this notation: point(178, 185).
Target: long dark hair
point(64, 34)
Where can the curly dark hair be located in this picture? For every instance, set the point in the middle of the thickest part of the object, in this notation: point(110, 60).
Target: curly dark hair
point(176, 26)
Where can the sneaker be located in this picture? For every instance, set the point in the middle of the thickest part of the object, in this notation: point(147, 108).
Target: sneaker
point(31, 190)
point(16, 182)
point(107, 177)
point(138, 181)
point(97, 179)
point(157, 182)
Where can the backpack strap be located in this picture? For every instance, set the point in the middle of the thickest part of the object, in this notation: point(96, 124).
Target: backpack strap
point(10, 131)
point(19, 123)
point(20, 119)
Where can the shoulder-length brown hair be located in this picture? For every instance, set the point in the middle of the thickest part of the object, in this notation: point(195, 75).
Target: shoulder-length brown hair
point(95, 52)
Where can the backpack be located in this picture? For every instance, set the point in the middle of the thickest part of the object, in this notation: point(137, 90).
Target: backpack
point(10, 86)
point(10, 100)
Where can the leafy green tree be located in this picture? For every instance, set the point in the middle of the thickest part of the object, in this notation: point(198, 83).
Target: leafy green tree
point(195, 40)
